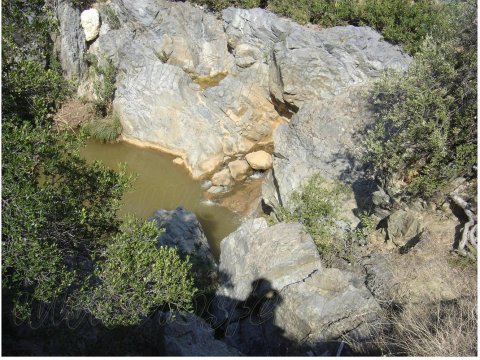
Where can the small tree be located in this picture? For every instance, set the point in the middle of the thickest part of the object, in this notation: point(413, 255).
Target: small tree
point(425, 132)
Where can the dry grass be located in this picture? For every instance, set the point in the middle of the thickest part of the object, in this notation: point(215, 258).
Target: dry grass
point(72, 114)
point(444, 329)
point(429, 300)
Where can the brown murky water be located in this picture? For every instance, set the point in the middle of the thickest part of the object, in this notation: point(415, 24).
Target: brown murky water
point(160, 184)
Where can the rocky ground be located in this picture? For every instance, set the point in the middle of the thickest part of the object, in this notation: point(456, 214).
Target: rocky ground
point(288, 100)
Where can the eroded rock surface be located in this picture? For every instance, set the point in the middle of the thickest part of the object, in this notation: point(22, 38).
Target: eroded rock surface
point(318, 139)
point(274, 293)
point(171, 58)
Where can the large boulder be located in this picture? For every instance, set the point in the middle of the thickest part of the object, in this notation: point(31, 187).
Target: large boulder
point(306, 64)
point(274, 293)
point(183, 231)
point(259, 160)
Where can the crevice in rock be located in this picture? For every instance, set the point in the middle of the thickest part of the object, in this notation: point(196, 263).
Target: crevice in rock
point(283, 109)
point(299, 281)
point(277, 187)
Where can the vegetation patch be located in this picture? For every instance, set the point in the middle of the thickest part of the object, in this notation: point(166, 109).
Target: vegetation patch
point(108, 13)
point(206, 82)
point(136, 277)
point(425, 133)
point(317, 206)
point(106, 129)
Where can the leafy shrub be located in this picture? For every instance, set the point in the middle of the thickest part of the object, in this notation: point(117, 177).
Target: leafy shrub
point(317, 207)
point(425, 132)
point(55, 207)
point(106, 129)
point(58, 211)
point(136, 276)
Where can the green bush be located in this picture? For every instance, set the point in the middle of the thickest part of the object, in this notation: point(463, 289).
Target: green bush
point(137, 276)
point(55, 207)
point(106, 129)
point(316, 206)
point(104, 87)
point(59, 212)
point(425, 132)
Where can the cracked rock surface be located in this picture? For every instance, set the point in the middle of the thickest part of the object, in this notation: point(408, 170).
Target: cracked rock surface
point(311, 305)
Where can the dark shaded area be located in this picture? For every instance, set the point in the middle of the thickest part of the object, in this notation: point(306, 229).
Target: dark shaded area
point(282, 108)
point(48, 334)
point(462, 217)
point(411, 243)
point(247, 325)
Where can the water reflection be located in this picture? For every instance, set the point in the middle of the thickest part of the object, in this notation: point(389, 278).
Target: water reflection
point(160, 184)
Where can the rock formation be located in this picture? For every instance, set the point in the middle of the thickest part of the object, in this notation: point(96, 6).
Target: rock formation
point(303, 303)
point(202, 87)
point(183, 231)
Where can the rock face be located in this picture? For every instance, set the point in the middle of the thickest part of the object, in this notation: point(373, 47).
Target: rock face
point(90, 20)
point(259, 160)
point(183, 231)
point(270, 68)
point(276, 274)
point(318, 139)
point(189, 335)
point(70, 45)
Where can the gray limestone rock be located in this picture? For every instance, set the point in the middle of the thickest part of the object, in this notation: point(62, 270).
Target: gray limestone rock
point(70, 44)
point(159, 47)
point(318, 139)
point(183, 231)
point(273, 277)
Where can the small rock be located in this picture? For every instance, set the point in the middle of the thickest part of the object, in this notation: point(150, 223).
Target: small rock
point(246, 55)
point(206, 185)
point(90, 20)
point(239, 169)
point(403, 225)
point(216, 189)
point(260, 160)
point(178, 161)
point(222, 178)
